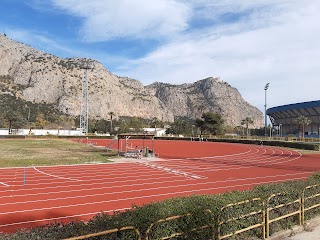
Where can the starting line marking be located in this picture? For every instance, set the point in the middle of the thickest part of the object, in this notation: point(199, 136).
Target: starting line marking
point(170, 170)
point(55, 175)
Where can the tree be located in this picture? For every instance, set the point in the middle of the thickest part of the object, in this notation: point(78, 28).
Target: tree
point(41, 122)
point(239, 130)
point(111, 114)
point(13, 118)
point(302, 121)
point(135, 124)
point(212, 123)
point(247, 121)
point(155, 122)
point(180, 126)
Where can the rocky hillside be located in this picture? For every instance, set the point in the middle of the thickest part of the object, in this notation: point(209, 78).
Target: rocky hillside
point(39, 77)
point(210, 94)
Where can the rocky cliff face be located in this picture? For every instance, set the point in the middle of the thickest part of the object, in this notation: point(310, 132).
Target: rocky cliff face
point(209, 94)
point(43, 78)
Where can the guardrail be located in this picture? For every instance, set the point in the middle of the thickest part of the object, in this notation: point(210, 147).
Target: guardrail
point(135, 232)
point(260, 215)
point(258, 222)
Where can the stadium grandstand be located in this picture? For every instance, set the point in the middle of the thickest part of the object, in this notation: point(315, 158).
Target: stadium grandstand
point(283, 118)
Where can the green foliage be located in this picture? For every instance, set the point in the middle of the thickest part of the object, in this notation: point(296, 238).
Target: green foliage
point(130, 124)
point(181, 126)
point(211, 123)
point(17, 113)
point(302, 121)
point(247, 121)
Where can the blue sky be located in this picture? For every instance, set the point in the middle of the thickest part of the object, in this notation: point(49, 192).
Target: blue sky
point(246, 43)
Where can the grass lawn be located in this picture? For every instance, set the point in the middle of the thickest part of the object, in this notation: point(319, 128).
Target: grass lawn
point(23, 153)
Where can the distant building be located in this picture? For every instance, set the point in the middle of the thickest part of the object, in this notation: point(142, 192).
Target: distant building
point(158, 132)
point(283, 118)
point(41, 132)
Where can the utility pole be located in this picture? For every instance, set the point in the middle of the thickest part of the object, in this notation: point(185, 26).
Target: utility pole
point(84, 100)
point(265, 109)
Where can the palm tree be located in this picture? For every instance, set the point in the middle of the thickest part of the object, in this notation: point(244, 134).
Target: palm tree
point(155, 121)
point(111, 114)
point(247, 121)
point(239, 130)
point(302, 121)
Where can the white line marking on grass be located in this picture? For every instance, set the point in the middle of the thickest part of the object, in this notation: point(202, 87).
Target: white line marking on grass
point(47, 174)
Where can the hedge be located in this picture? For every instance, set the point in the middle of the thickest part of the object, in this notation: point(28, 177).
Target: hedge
point(195, 211)
point(297, 145)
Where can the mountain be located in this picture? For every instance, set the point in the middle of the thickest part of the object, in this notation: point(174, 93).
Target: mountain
point(39, 77)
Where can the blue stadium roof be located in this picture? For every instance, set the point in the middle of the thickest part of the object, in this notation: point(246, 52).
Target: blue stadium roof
point(303, 105)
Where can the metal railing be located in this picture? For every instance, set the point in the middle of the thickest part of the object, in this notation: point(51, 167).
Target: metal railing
point(296, 211)
point(258, 223)
point(177, 232)
point(108, 232)
point(263, 211)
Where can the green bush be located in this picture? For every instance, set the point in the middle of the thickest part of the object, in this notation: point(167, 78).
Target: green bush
point(298, 145)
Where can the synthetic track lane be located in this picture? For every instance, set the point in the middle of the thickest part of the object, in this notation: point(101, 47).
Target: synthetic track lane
point(65, 193)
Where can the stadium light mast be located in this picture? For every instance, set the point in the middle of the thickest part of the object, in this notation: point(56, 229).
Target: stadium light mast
point(84, 100)
point(265, 108)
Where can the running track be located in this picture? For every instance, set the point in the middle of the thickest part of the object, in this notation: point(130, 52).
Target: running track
point(78, 192)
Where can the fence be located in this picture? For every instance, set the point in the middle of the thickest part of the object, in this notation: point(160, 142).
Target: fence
point(254, 214)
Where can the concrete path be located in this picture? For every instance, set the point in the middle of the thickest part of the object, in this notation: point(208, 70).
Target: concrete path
point(312, 234)
point(310, 231)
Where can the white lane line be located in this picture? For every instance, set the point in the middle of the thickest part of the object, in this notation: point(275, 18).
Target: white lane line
point(95, 178)
point(65, 217)
point(222, 169)
point(92, 189)
point(55, 176)
point(98, 171)
point(96, 182)
point(148, 189)
point(253, 159)
point(266, 160)
point(4, 184)
point(149, 196)
point(273, 161)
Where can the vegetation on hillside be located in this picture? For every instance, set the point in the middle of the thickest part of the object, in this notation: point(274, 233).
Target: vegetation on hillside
point(17, 113)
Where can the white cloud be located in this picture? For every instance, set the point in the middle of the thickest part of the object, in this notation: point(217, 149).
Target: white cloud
point(282, 50)
point(37, 40)
point(105, 20)
point(246, 43)
point(62, 48)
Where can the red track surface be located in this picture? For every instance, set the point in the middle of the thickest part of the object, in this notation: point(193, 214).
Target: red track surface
point(78, 192)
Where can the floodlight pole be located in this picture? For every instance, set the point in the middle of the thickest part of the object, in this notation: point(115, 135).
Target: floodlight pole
point(84, 115)
point(265, 108)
